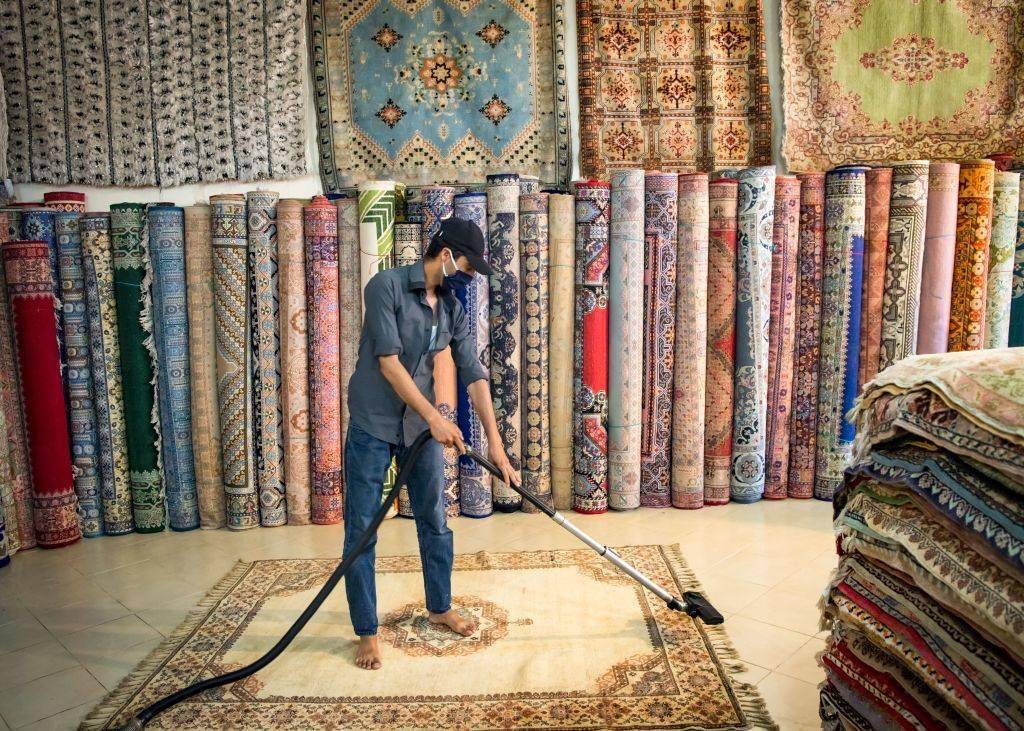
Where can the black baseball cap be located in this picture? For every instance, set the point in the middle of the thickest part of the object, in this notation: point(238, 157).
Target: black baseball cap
point(464, 237)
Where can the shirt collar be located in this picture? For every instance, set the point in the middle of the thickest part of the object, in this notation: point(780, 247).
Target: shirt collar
point(417, 280)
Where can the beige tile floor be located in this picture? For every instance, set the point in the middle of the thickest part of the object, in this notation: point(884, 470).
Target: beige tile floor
point(74, 621)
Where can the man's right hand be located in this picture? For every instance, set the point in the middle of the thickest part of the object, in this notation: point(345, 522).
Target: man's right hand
point(446, 432)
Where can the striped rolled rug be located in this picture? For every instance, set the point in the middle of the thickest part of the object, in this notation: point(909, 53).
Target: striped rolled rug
point(970, 263)
point(350, 299)
point(265, 334)
point(781, 335)
point(939, 252)
point(878, 192)
point(78, 377)
point(721, 339)
point(475, 499)
point(234, 359)
point(1016, 337)
point(321, 234)
point(904, 259)
point(30, 294)
point(291, 282)
point(561, 298)
point(803, 430)
point(842, 270)
point(663, 236)
point(137, 369)
point(505, 295)
point(534, 257)
point(999, 297)
point(625, 338)
point(590, 349)
point(202, 350)
point(756, 220)
point(170, 341)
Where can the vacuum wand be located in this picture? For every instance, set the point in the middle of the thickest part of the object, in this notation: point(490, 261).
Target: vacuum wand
point(693, 603)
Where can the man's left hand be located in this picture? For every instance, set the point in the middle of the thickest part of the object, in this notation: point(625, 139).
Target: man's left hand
point(497, 455)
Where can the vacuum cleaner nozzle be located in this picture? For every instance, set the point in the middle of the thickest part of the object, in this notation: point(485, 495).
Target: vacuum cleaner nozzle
point(697, 606)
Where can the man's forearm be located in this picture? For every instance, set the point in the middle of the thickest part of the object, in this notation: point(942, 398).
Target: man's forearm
point(480, 395)
point(405, 387)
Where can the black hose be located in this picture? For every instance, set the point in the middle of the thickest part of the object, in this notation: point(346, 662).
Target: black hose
point(147, 714)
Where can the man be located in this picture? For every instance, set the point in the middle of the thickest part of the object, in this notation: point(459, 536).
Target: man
point(410, 314)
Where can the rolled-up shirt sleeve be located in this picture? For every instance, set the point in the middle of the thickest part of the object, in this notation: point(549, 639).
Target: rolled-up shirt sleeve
point(379, 316)
point(464, 349)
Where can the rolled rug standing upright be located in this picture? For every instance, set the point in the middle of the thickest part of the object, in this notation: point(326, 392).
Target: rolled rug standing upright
point(756, 220)
point(408, 242)
point(939, 252)
point(999, 297)
point(782, 335)
point(1016, 338)
point(137, 369)
point(662, 241)
point(170, 341)
point(29, 286)
point(350, 299)
point(234, 359)
point(561, 299)
point(321, 233)
point(534, 256)
point(505, 294)
point(78, 378)
point(842, 268)
point(202, 350)
point(265, 333)
point(901, 298)
point(803, 430)
point(475, 498)
point(291, 282)
point(878, 186)
point(590, 349)
point(625, 338)
point(721, 339)
point(37, 224)
point(970, 263)
point(437, 203)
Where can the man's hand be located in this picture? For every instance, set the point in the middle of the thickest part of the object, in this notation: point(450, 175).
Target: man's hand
point(497, 455)
point(446, 432)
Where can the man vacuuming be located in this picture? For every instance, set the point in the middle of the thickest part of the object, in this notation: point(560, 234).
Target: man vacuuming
point(410, 314)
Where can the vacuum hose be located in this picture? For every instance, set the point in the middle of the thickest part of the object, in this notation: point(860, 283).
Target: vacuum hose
point(150, 712)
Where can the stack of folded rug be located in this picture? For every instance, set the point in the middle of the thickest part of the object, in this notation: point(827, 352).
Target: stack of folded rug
point(926, 609)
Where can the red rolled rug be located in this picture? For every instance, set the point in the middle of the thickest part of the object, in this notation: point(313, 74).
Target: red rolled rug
point(30, 290)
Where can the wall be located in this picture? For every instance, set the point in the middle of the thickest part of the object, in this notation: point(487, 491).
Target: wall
point(98, 198)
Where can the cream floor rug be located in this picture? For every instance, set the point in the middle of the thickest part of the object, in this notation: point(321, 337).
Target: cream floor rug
point(564, 641)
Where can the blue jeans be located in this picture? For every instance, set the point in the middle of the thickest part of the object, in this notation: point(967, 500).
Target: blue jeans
point(366, 463)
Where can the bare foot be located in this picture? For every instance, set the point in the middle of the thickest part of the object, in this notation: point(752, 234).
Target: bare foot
point(454, 621)
point(368, 654)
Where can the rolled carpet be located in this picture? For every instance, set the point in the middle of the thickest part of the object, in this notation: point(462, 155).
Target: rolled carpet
point(320, 219)
point(1016, 337)
point(475, 499)
point(878, 187)
point(234, 359)
point(803, 429)
point(1003, 243)
point(662, 231)
point(528, 184)
point(970, 263)
point(756, 220)
point(590, 349)
point(842, 270)
point(561, 277)
point(781, 335)
point(30, 292)
point(291, 282)
point(265, 333)
point(202, 350)
point(376, 228)
point(78, 379)
point(625, 338)
point(68, 201)
point(170, 341)
point(534, 257)
point(721, 339)
point(408, 239)
point(437, 203)
point(350, 298)
point(680, 410)
point(901, 296)
point(37, 224)
point(137, 369)
point(939, 251)
point(505, 295)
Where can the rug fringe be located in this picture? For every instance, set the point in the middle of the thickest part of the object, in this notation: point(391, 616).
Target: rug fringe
point(119, 698)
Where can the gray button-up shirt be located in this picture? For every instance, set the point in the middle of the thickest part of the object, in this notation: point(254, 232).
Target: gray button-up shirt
point(397, 321)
